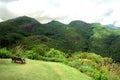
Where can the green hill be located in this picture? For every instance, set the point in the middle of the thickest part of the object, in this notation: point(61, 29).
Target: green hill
point(69, 38)
point(38, 70)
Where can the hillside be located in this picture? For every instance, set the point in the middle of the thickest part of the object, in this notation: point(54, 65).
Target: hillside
point(38, 70)
point(69, 38)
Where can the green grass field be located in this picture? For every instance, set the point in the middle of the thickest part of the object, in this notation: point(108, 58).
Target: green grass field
point(38, 70)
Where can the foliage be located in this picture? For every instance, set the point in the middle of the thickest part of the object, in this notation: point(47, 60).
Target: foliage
point(18, 51)
point(4, 53)
point(91, 64)
point(40, 49)
point(41, 54)
point(75, 64)
point(85, 56)
point(55, 53)
point(86, 69)
point(58, 42)
point(31, 55)
point(75, 36)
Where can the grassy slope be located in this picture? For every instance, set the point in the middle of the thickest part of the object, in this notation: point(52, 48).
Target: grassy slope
point(38, 70)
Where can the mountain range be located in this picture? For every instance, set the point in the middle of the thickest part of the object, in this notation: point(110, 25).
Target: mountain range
point(113, 26)
point(72, 37)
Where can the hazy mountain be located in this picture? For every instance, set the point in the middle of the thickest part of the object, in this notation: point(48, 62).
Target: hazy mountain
point(113, 26)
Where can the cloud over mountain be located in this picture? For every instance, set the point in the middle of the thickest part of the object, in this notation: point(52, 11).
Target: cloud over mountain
point(103, 11)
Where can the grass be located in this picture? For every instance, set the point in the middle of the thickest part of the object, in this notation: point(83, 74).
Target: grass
point(38, 70)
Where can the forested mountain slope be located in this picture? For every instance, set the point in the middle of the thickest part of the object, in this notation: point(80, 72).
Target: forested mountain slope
point(72, 37)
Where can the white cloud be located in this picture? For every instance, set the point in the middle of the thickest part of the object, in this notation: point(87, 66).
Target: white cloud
point(7, 1)
point(110, 13)
point(1, 20)
point(40, 9)
point(103, 11)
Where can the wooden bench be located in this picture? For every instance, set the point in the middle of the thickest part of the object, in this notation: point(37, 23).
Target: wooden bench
point(18, 60)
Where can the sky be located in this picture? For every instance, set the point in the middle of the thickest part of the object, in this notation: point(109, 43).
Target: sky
point(91, 11)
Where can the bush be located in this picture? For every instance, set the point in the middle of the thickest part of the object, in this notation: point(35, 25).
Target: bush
point(96, 74)
point(86, 69)
point(99, 76)
point(90, 64)
point(41, 49)
point(55, 53)
point(90, 59)
point(74, 64)
point(4, 53)
point(18, 51)
point(31, 55)
point(51, 59)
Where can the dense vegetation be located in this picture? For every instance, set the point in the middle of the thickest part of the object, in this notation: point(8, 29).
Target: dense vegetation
point(76, 36)
point(91, 64)
point(73, 44)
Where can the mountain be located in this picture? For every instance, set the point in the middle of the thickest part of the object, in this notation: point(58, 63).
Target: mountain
point(69, 38)
point(113, 26)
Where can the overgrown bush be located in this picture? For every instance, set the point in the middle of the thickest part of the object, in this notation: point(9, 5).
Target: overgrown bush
point(52, 59)
point(40, 49)
point(86, 69)
point(90, 64)
point(55, 53)
point(31, 54)
point(18, 51)
point(99, 76)
point(74, 64)
point(4, 53)
point(113, 69)
point(90, 56)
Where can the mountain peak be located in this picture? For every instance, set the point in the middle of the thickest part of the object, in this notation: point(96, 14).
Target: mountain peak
point(22, 20)
point(77, 22)
point(57, 23)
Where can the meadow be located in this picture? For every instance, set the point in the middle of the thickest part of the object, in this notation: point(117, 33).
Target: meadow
point(38, 70)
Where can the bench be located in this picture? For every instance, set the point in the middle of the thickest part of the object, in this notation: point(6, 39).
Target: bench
point(18, 60)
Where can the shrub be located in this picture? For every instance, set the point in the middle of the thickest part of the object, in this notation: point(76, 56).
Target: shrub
point(86, 69)
point(41, 49)
point(99, 76)
point(4, 53)
point(18, 51)
point(96, 74)
point(55, 53)
point(91, 58)
point(51, 59)
point(90, 64)
point(74, 64)
point(31, 54)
